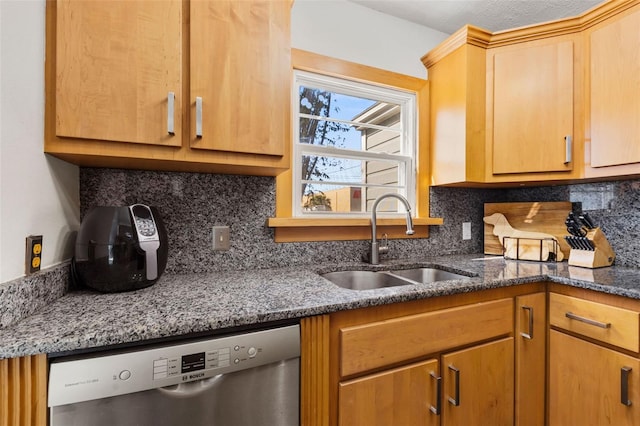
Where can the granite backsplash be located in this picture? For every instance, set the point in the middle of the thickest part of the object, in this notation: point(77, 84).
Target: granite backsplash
point(191, 203)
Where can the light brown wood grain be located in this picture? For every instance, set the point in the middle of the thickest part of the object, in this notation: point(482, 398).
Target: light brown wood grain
point(614, 94)
point(486, 385)
point(397, 397)
point(530, 359)
point(116, 64)
point(240, 67)
point(314, 371)
point(545, 217)
point(532, 107)
point(374, 345)
point(624, 324)
point(585, 384)
point(23, 391)
point(103, 149)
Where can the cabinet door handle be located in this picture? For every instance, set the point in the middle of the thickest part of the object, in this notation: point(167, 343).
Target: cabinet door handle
point(438, 407)
point(198, 117)
point(171, 99)
point(456, 400)
point(528, 335)
point(588, 321)
point(624, 386)
point(567, 149)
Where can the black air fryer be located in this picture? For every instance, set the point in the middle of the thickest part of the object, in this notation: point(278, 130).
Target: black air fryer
point(120, 248)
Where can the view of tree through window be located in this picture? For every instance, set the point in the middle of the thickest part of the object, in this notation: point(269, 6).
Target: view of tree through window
point(351, 146)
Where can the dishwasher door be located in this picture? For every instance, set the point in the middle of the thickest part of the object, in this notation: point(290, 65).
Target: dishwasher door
point(239, 380)
point(262, 396)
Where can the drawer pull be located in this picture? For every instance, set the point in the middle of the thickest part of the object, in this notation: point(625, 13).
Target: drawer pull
point(528, 335)
point(455, 401)
point(588, 321)
point(436, 410)
point(171, 99)
point(624, 386)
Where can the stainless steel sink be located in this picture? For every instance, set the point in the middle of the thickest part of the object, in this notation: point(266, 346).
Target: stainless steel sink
point(428, 275)
point(364, 280)
point(368, 280)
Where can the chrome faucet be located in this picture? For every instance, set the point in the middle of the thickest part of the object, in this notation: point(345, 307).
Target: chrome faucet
point(375, 250)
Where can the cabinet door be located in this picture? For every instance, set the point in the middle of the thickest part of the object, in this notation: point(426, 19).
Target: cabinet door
point(240, 76)
point(531, 344)
point(116, 63)
point(532, 107)
point(400, 397)
point(587, 384)
point(615, 92)
point(478, 385)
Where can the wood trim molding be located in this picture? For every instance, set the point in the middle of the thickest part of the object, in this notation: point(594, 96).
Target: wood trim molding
point(23, 391)
point(289, 229)
point(314, 371)
point(485, 39)
point(466, 35)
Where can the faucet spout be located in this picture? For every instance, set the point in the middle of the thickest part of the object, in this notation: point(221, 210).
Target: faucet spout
point(374, 251)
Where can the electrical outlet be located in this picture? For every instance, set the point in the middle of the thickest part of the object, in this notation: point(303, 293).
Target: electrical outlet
point(221, 238)
point(33, 254)
point(466, 230)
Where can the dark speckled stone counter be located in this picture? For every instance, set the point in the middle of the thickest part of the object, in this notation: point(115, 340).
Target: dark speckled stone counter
point(183, 304)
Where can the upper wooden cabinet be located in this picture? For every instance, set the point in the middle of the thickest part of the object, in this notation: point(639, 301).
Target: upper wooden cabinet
point(551, 102)
point(457, 111)
point(530, 98)
point(117, 62)
point(129, 84)
point(613, 87)
point(243, 78)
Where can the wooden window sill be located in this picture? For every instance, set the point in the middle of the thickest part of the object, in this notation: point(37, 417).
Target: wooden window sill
point(293, 229)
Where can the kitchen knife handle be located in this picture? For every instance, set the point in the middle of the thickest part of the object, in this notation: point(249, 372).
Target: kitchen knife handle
point(456, 400)
point(624, 386)
point(568, 151)
point(528, 335)
point(198, 117)
point(589, 321)
point(171, 99)
point(438, 407)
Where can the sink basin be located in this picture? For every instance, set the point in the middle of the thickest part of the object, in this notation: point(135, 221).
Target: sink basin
point(364, 280)
point(428, 275)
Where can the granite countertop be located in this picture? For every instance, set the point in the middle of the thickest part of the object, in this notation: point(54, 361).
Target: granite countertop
point(200, 303)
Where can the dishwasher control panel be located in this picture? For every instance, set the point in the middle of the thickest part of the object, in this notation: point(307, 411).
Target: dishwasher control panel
point(105, 375)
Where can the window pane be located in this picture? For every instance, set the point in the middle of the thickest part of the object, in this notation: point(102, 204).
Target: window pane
point(333, 198)
point(348, 199)
point(349, 170)
point(329, 133)
point(324, 103)
point(366, 119)
point(340, 135)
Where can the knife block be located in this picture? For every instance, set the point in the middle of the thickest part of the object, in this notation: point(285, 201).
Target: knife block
point(603, 255)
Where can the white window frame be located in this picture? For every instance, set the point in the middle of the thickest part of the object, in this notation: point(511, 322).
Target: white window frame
point(408, 135)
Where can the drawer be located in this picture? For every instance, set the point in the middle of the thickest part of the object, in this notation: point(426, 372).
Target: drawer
point(379, 344)
point(609, 324)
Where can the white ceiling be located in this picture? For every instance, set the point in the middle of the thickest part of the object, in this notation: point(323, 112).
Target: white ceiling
point(494, 15)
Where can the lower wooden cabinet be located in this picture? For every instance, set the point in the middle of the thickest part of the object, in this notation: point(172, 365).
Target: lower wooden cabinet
point(400, 396)
point(478, 385)
point(450, 360)
point(591, 385)
point(472, 386)
point(530, 359)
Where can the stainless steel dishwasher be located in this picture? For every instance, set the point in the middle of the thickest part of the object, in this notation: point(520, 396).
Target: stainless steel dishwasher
point(244, 379)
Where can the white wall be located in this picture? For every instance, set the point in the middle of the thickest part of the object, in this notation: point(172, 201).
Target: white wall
point(38, 194)
point(355, 33)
